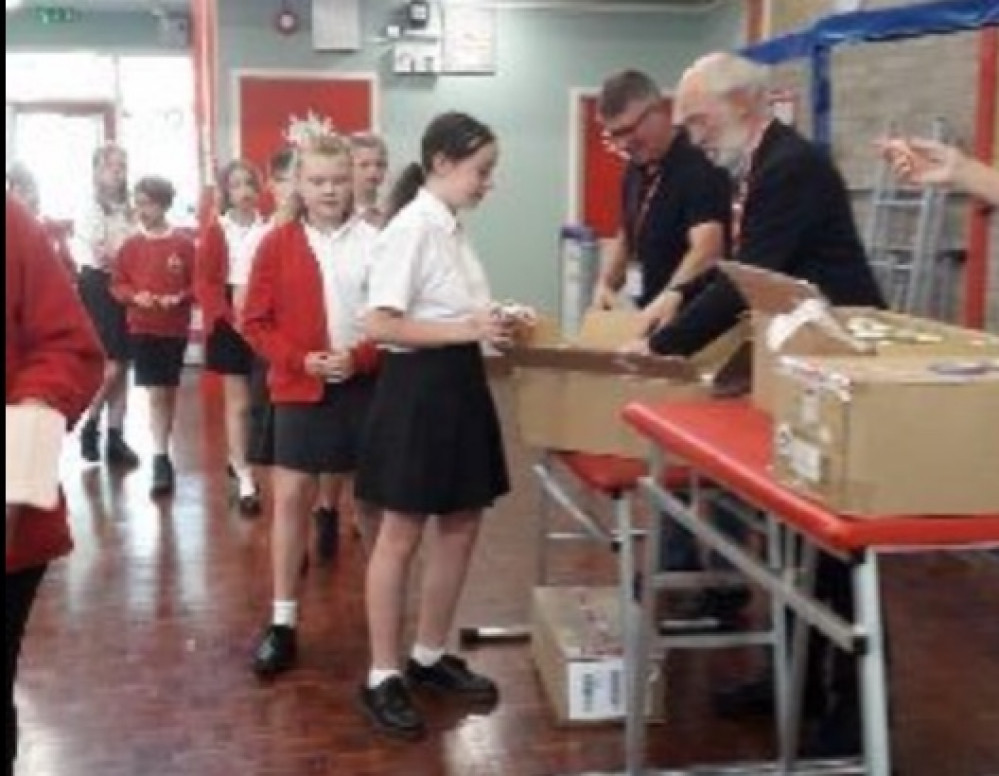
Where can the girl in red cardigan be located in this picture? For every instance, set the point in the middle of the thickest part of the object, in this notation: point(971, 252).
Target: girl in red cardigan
point(302, 314)
point(53, 357)
point(225, 252)
point(153, 277)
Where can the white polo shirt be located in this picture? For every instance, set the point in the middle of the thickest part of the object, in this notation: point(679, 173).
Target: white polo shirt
point(425, 267)
point(241, 269)
point(242, 241)
point(99, 235)
point(345, 258)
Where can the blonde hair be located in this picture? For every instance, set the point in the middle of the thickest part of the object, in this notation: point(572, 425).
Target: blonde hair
point(322, 142)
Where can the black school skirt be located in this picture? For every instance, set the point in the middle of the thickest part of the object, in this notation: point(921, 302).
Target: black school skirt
point(226, 352)
point(324, 438)
point(432, 445)
point(260, 449)
point(106, 312)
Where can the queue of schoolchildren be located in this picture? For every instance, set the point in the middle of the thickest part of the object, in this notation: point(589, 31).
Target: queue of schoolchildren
point(348, 332)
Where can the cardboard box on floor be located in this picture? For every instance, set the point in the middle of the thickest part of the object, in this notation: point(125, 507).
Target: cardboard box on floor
point(892, 435)
point(850, 331)
point(569, 396)
point(577, 649)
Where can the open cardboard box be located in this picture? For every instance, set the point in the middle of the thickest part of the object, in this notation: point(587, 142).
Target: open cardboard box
point(569, 395)
point(893, 435)
point(775, 299)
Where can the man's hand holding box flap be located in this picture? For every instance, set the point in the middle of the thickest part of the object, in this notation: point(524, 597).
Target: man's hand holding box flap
point(34, 441)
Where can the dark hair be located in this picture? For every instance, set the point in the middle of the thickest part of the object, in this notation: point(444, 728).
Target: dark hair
point(281, 161)
point(622, 89)
point(158, 189)
point(455, 136)
point(226, 173)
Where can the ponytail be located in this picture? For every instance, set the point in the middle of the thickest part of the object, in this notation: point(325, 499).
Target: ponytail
point(405, 188)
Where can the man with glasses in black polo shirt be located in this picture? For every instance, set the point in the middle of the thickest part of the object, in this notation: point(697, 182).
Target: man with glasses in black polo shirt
point(676, 214)
point(676, 205)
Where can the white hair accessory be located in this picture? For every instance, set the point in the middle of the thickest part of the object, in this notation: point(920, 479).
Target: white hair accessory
point(301, 132)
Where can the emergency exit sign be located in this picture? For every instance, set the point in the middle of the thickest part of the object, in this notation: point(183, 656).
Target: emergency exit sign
point(57, 15)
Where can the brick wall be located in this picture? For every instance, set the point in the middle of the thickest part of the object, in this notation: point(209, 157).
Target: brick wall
point(909, 82)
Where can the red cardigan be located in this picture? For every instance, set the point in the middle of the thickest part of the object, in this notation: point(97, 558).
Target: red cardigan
point(53, 355)
point(211, 275)
point(284, 316)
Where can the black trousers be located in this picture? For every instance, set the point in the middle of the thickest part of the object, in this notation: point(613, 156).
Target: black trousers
point(20, 589)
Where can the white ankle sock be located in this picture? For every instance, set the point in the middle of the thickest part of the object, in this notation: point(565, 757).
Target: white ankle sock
point(426, 656)
point(286, 613)
point(245, 484)
point(378, 675)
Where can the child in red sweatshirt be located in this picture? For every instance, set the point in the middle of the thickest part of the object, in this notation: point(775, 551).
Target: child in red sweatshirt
point(153, 277)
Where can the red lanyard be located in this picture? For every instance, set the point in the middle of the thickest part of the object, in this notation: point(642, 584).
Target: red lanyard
point(643, 208)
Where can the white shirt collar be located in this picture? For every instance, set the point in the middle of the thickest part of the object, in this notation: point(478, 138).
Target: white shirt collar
point(167, 232)
point(436, 210)
point(319, 236)
point(228, 221)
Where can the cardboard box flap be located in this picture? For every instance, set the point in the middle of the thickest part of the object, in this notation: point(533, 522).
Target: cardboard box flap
point(770, 292)
point(609, 329)
point(626, 365)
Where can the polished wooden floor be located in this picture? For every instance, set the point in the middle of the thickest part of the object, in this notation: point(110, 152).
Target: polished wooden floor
point(137, 654)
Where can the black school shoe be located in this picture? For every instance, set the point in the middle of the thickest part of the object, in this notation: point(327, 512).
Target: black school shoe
point(451, 675)
point(390, 709)
point(164, 478)
point(276, 653)
point(90, 438)
point(118, 453)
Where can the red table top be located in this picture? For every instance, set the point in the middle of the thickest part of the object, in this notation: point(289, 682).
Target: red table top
point(729, 442)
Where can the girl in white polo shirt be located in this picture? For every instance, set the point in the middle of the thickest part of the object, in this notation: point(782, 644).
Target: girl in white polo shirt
point(432, 446)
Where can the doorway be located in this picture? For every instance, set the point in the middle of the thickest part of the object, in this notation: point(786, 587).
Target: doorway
point(57, 142)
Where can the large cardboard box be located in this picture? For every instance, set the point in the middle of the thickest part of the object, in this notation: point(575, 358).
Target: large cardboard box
point(577, 649)
point(569, 395)
point(892, 435)
point(791, 317)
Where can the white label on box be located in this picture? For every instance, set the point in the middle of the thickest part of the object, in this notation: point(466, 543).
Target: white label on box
point(596, 689)
point(806, 460)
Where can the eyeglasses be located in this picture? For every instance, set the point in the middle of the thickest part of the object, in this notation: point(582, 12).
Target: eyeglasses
point(622, 132)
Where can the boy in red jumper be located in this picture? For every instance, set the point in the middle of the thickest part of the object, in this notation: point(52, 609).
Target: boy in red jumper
point(154, 278)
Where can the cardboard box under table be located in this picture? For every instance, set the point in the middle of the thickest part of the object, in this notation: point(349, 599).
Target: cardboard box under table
point(792, 318)
point(889, 435)
point(577, 646)
point(569, 395)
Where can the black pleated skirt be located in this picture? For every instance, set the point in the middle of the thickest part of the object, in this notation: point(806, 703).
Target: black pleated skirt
point(106, 312)
point(324, 437)
point(226, 352)
point(433, 445)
